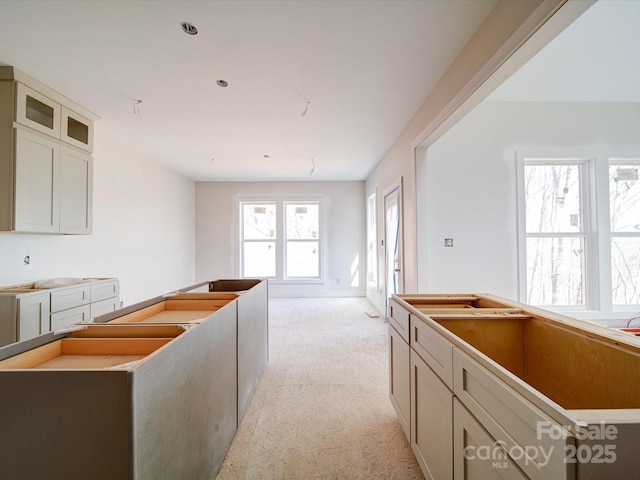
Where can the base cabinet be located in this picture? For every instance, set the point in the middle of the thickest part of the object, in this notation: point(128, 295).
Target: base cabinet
point(29, 310)
point(507, 391)
point(399, 379)
point(33, 315)
point(431, 414)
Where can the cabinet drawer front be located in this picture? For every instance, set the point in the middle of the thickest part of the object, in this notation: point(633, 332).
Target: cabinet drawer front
point(70, 317)
point(512, 420)
point(399, 318)
point(104, 306)
point(103, 290)
point(434, 349)
point(70, 297)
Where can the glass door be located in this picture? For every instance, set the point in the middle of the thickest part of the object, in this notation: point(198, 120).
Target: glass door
point(37, 111)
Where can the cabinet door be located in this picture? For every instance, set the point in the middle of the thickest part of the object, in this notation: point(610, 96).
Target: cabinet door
point(76, 130)
point(36, 182)
point(33, 315)
point(431, 421)
point(399, 379)
point(477, 455)
point(37, 111)
point(76, 191)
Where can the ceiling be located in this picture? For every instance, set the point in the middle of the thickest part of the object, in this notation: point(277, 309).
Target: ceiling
point(317, 90)
point(595, 59)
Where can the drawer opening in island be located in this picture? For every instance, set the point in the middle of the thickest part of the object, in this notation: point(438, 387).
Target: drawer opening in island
point(181, 309)
point(86, 354)
point(577, 369)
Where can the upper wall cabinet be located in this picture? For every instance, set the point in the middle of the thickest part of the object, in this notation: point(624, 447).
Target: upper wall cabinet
point(46, 168)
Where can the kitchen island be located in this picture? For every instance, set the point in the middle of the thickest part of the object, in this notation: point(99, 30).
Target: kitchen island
point(489, 388)
point(128, 399)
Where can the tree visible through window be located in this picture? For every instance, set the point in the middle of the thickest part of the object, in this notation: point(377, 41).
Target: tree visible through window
point(581, 231)
point(624, 208)
point(555, 235)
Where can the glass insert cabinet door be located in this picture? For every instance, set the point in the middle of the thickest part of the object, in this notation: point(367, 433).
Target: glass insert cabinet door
point(37, 111)
point(76, 130)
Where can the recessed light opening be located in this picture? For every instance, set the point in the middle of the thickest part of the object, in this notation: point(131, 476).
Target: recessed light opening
point(222, 83)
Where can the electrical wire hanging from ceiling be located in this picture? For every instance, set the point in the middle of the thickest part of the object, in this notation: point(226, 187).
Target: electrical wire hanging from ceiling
point(313, 166)
point(136, 107)
point(306, 109)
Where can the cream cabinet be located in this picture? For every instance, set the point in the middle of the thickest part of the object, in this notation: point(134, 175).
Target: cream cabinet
point(431, 414)
point(504, 390)
point(37, 183)
point(399, 379)
point(46, 167)
point(27, 311)
point(33, 315)
point(36, 111)
point(478, 454)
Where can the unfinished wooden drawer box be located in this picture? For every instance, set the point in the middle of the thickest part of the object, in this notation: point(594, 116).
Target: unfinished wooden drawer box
point(184, 308)
point(121, 402)
point(537, 382)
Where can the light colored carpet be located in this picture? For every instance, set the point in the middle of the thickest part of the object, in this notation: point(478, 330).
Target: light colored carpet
point(322, 410)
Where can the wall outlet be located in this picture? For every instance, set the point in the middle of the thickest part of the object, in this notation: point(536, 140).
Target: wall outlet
point(448, 242)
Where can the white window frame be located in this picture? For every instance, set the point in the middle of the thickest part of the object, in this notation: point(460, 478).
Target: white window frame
point(597, 258)
point(280, 240)
point(372, 241)
point(240, 210)
point(285, 240)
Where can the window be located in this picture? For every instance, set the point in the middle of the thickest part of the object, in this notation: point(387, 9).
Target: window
point(258, 240)
point(624, 215)
point(302, 246)
point(280, 239)
point(580, 231)
point(372, 256)
point(555, 233)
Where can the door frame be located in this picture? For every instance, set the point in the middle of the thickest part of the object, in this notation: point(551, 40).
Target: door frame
point(396, 186)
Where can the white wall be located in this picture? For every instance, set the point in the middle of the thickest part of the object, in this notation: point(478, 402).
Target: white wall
point(344, 222)
point(143, 230)
point(503, 31)
point(467, 185)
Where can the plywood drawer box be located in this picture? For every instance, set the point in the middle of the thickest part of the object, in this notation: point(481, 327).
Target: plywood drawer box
point(121, 402)
point(183, 309)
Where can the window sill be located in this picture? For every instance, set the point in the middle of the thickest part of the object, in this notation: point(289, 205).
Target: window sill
point(616, 318)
